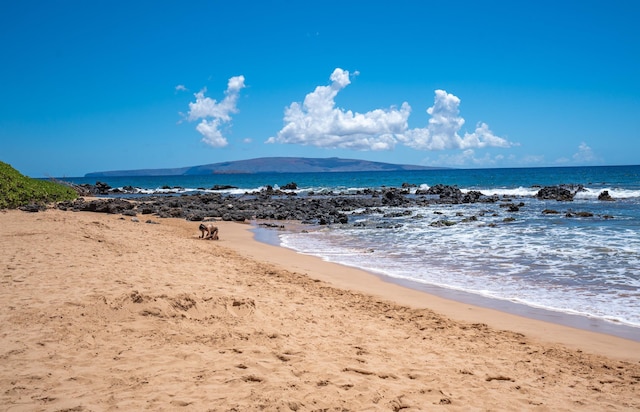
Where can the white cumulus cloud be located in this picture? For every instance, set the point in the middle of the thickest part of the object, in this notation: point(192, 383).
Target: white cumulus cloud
point(213, 114)
point(317, 122)
point(442, 131)
point(584, 153)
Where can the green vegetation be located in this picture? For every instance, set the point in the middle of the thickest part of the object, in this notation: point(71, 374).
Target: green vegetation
point(18, 190)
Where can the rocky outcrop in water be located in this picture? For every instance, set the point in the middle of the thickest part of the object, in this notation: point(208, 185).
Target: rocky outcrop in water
point(561, 193)
point(605, 196)
point(313, 208)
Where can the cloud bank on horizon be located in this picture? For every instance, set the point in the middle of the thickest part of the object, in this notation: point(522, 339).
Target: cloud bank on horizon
point(318, 122)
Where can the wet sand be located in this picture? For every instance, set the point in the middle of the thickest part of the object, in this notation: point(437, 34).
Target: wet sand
point(104, 313)
point(600, 326)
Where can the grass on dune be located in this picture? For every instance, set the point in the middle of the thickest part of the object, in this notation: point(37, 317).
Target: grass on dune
point(18, 190)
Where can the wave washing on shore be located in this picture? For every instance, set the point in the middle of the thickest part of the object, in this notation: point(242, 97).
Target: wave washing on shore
point(585, 263)
point(579, 266)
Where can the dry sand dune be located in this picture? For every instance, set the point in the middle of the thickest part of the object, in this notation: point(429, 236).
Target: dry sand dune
point(101, 313)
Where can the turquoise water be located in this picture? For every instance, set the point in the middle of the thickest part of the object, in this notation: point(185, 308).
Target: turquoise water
point(587, 267)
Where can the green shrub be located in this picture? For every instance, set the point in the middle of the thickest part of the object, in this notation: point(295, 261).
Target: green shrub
point(18, 190)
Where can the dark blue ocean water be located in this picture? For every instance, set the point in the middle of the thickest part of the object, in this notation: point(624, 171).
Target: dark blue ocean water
point(583, 266)
point(613, 177)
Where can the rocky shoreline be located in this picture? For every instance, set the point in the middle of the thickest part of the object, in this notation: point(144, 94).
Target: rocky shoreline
point(311, 208)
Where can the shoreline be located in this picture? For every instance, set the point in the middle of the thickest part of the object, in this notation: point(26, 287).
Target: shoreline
point(109, 312)
point(269, 236)
point(556, 327)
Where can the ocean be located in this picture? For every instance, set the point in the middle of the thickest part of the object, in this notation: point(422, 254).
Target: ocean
point(579, 266)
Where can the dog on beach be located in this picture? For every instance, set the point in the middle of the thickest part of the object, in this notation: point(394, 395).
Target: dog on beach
point(208, 231)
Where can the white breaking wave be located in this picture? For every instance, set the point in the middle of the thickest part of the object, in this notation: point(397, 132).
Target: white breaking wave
point(556, 263)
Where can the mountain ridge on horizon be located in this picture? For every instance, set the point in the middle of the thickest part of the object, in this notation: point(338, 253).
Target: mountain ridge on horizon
point(268, 165)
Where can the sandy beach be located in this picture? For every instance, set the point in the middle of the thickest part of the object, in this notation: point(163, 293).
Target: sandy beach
point(101, 312)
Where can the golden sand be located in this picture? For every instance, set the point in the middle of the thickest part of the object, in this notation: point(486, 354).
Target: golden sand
point(102, 313)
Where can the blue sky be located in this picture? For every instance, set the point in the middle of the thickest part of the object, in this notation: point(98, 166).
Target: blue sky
point(110, 85)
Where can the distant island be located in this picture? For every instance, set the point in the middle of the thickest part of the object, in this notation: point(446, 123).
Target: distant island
point(269, 165)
